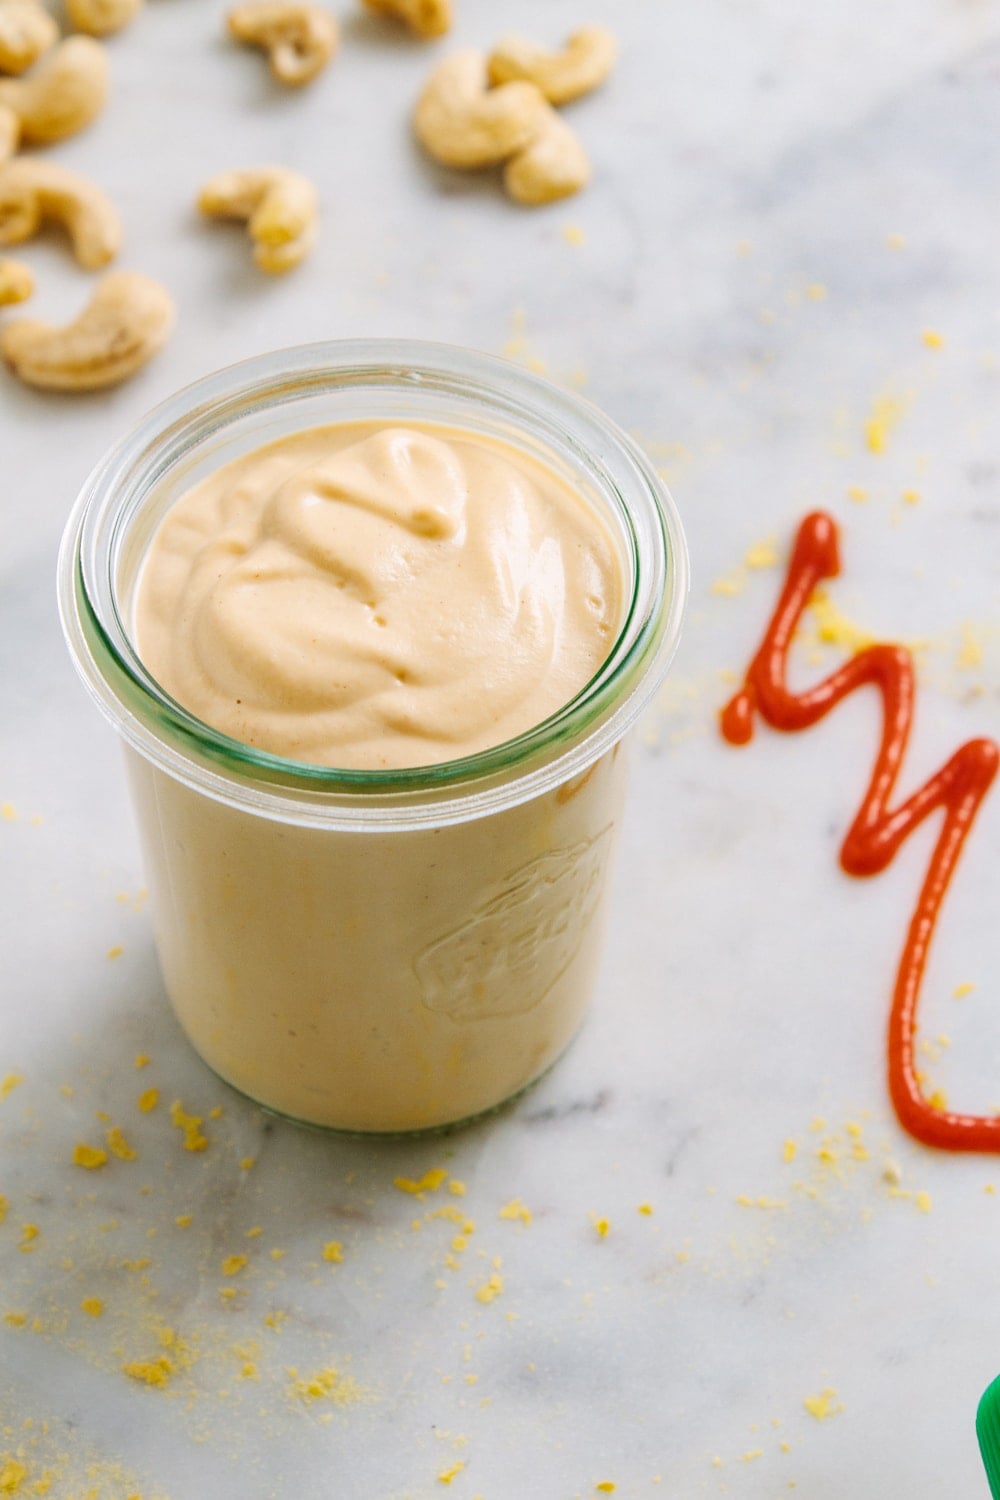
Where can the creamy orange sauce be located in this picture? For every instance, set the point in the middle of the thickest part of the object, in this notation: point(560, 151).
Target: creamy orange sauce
point(366, 596)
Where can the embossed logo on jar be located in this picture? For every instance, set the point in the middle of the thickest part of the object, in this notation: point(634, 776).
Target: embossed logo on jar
point(505, 958)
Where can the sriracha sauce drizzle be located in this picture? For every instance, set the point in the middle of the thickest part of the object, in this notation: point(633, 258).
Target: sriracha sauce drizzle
point(878, 830)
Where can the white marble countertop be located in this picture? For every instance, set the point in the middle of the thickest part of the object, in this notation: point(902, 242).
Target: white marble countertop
point(784, 204)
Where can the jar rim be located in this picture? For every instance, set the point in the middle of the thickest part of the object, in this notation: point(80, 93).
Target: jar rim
point(563, 745)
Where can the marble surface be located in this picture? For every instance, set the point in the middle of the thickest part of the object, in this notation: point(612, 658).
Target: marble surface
point(784, 202)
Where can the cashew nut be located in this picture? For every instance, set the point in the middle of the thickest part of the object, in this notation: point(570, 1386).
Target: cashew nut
point(280, 206)
point(16, 282)
point(33, 191)
point(300, 38)
point(551, 166)
point(584, 62)
point(63, 95)
point(10, 132)
point(101, 17)
point(26, 31)
point(126, 321)
point(464, 124)
point(425, 17)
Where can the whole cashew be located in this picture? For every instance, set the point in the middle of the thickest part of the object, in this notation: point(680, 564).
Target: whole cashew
point(10, 132)
point(584, 62)
point(300, 38)
point(101, 17)
point(26, 31)
point(16, 282)
point(464, 124)
point(425, 17)
point(123, 325)
point(33, 191)
point(551, 166)
point(63, 95)
point(280, 206)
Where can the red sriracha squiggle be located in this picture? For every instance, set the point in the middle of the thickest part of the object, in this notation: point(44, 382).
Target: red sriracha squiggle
point(878, 830)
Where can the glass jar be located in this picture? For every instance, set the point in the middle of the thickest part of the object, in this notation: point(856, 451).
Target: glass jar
point(374, 950)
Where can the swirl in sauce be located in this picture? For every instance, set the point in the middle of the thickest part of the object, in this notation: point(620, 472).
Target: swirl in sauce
point(367, 597)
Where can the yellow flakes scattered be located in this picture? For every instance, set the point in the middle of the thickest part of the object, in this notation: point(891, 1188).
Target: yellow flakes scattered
point(751, 1454)
point(119, 1146)
point(932, 338)
point(490, 1289)
point(89, 1157)
point(8, 812)
point(885, 414)
point(923, 1201)
point(142, 1060)
point(29, 1234)
point(824, 1405)
point(4, 1205)
point(728, 586)
point(644, 1208)
point(817, 292)
point(745, 1201)
point(573, 234)
point(911, 497)
point(989, 1187)
point(961, 990)
point(148, 1101)
point(10, 1083)
point(194, 1140)
point(92, 1306)
point(835, 630)
point(277, 1254)
point(333, 1251)
point(233, 1264)
point(254, 1232)
point(515, 1209)
point(457, 1187)
point(762, 555)
point(895, 242)
point(248, 1163)
point(857, 493)
point(249, 1370)
point(11, 1476)
point(789, 1150)
point(116, 951)
point(326, 1384)
point(429, 1183)
point(15, 1319)
point(970, 652)
point(447, 1475)
point(275, 1319)
point(938, 1099)
point(154, 1372)
point(183, 1221)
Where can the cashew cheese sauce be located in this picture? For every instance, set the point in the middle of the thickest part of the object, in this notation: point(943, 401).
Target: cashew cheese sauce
point(364, 596)
point(368, 597)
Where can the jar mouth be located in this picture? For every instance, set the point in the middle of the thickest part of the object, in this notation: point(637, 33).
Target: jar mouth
point(240, 407)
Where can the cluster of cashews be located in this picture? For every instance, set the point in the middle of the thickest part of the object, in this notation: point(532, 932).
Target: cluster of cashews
point(279, 205)
point(478, 111)
point(53, 89)
point(474, 112)
point(127, 319)
point(300, 38)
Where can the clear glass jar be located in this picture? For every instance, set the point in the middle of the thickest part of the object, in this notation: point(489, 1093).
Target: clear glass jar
point(374, 950)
